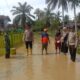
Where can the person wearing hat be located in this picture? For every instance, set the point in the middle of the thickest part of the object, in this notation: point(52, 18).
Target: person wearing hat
point(45, 40)
point(28, 38)
point(72, 43)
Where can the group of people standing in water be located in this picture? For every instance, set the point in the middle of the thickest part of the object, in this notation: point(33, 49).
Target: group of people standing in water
point(65, 40)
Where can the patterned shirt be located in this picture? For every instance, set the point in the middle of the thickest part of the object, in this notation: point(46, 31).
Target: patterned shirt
point(44, 37)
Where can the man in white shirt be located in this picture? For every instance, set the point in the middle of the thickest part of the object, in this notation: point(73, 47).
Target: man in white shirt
point(72, 42)
point(28, 37)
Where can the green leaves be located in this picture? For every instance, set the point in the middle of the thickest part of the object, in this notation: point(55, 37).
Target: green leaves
point(74, 2)
point(22, 12)
point(52, 3)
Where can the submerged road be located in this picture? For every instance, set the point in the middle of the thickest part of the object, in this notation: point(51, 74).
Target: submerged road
point(39, 67)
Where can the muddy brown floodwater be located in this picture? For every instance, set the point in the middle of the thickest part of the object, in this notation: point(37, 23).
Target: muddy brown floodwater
point(39, 67)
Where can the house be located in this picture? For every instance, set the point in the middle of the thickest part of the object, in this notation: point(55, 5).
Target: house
point(11, 26)
point(71, 24)
point(4, 22)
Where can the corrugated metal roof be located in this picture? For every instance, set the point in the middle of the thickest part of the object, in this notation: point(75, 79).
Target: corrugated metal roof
point(2, 17)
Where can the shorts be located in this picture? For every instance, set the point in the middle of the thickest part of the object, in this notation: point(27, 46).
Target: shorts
point(57, 45)
point(44, 45)
point(28, 44)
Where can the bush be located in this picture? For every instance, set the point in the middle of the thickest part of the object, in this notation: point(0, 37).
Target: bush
point(15, 41)
point(2, 51)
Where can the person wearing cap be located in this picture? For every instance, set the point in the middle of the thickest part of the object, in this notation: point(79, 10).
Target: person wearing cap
point(64, 38)
point(72, 43)
point(45, 40)
point(28, 38)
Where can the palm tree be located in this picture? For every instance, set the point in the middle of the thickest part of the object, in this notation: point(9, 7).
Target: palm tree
point(60, 3)
point(66, 19)
point(39, 14)
point(58, 16)
point(78, 18)
point(74, 4)
point(22, 13)
point(49, 15)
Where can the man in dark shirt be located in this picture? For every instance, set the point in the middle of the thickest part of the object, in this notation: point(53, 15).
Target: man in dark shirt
point(7, 45)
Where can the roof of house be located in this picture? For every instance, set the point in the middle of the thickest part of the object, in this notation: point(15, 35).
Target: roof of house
point(4, 17)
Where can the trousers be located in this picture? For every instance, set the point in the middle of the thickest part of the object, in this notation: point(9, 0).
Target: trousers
point(7, 55)
point(72, 51)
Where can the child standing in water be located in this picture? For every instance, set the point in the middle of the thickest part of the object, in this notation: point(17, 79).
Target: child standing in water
point(58, 41)
point(45, 40)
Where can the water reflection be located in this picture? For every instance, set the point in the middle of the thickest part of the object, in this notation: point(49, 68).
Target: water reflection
point(40, 67)
point(8, 70)
point(29, 71)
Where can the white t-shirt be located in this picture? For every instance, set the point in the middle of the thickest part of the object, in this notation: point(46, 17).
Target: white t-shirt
point(28, 35)
point(72, 39)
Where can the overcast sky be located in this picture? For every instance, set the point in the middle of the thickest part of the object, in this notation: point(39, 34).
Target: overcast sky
point(6, 6)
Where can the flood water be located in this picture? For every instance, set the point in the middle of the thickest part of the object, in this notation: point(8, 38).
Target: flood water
point(39, 67)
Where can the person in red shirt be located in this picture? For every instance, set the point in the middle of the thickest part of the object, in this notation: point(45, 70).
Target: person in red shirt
point(44, 40)
point(58, 41)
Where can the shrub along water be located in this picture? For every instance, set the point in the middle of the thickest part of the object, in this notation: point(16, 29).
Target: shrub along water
point(15, 41)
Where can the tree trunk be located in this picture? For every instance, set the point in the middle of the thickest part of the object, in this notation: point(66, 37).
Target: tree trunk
point(23, 21)
point(63, 16)
point(75, 18)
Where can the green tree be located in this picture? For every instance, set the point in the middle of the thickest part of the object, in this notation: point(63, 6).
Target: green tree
point(58, 16)
point(74, 4)
point(78, 18)
point(39, 14)
point(22, 13)
point(49, 15)
point(55, 24)
point(66, 19)
point(39, 24)
point(60, 3)
point(44, 17)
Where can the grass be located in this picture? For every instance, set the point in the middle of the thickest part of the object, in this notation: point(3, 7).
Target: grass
point(52, 33)
point(15, 41)
point(2, 41)
point(2, 51)
point(78, 48)
point(37, 36)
